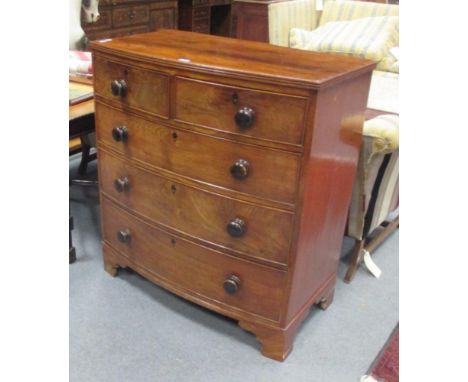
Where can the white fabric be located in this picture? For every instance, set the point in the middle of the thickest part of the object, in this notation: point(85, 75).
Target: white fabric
point(371, 265)
point(383, 93)
point(368, 378)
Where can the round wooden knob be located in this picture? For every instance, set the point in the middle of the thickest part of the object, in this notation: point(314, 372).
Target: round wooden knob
point(236, 227)
point(245, 117)
point(122, 184)
point(231, 284)
point(120, 133)
point(124, 235)
point(240, 169)
point(119, 88)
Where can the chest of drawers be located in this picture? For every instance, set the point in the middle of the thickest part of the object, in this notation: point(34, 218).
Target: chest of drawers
point(226, 169)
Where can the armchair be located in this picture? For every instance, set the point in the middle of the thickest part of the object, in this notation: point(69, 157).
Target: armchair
point(375, 193)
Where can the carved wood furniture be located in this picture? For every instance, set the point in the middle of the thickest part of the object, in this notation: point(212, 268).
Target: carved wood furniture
point(226, 169)
point(205, 16)
point(126, 17)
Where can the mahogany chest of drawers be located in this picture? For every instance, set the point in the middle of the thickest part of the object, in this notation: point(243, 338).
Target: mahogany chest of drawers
point(226, 169)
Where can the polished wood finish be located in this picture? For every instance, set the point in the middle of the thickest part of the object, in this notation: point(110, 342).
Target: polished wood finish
point(240, 111)
point(241, 214)
point(272, 174)
point(250, 19)
point(227, 59)
point(196, 212)
point(125, 17)
point(197, 269)
point(130, 86)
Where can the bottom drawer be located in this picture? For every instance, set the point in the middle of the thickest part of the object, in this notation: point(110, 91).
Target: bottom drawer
point(199, 271)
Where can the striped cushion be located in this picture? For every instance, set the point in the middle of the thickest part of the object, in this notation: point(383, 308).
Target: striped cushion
point(290, 14)
point(369, 37)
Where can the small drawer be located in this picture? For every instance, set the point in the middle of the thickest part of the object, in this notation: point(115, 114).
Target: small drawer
point(130, 86)
point(265, 173)
point(199, 271)
point(254, 231)
point(259, 114)
point(130, 16)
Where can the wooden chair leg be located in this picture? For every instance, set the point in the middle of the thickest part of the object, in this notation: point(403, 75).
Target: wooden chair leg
point(383, 234)
point(356, 258)
point(85, 158)
point(72, 251)
point(360, 246)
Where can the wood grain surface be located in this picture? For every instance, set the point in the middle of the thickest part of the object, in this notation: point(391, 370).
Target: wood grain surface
point(232, 57)
point(194, 268)
point(263, 248)
point(199, 214)
point(273, 174)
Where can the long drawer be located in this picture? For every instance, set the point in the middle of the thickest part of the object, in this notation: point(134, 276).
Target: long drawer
point(259, 232)
point(259, 114)
point(254, 288)
point(266, 173)
point(130, 86)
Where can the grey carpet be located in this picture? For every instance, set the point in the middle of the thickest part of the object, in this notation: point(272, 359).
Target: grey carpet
point(128, 329)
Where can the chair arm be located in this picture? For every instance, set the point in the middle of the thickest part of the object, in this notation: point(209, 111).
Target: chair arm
point(284, 16)
point(383, 132)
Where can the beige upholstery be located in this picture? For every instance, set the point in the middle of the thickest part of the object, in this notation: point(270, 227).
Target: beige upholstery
point(282, 17)
point(352, 10)
point(376, 185)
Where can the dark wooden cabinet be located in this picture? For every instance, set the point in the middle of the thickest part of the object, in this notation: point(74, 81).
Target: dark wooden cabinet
point(205, 16)
point(250, 19)
point(226, 168)
point(126, 17)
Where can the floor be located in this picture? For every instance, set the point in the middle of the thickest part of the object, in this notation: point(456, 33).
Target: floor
point(128, 329)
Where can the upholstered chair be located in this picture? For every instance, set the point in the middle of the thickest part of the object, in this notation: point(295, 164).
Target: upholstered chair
point(373, 213)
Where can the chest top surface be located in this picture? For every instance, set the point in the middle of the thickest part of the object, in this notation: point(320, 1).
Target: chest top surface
point(240, 58)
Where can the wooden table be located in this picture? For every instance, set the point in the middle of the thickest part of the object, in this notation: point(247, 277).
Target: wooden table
point(80, 123)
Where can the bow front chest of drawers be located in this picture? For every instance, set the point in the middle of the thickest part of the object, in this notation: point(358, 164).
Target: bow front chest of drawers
point(226, 169)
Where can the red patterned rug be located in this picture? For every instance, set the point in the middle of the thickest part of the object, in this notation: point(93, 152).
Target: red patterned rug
point(386, 366)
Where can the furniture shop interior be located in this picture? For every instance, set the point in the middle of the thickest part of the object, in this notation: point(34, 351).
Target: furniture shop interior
point(234, 190)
